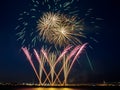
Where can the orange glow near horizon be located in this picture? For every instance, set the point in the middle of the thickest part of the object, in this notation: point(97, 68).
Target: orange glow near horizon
point(51, 88)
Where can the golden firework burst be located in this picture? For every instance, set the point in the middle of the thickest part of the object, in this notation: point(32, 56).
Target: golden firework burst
point(60, 29)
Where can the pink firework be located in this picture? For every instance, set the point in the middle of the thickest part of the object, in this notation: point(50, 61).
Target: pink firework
point(68, 57)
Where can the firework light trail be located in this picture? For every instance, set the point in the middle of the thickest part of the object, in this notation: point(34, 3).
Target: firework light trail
point(77, 50)
point(59, 25)
point(58, 60)
point(75, 58)
point(72, 53)
point(31, 63)
point(41, 66)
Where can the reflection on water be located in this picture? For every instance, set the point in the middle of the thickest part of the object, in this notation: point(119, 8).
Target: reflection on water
point(50, 89)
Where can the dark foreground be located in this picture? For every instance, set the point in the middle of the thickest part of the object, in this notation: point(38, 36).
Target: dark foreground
point(26, 87)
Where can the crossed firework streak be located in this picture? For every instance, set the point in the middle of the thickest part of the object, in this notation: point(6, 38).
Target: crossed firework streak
point(76, 51)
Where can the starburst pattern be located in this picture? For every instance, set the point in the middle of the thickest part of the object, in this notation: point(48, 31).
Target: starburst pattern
point(60, 29)
point(59, 19)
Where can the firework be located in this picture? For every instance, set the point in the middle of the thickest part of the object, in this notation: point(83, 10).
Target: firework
point(60, 29)
point(31, 63)
point(53, 60)
point(55, 22)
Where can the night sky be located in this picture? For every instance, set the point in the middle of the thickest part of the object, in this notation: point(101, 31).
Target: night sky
point(104, 56)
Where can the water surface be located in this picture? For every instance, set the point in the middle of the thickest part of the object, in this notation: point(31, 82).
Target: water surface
point(50, 88)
